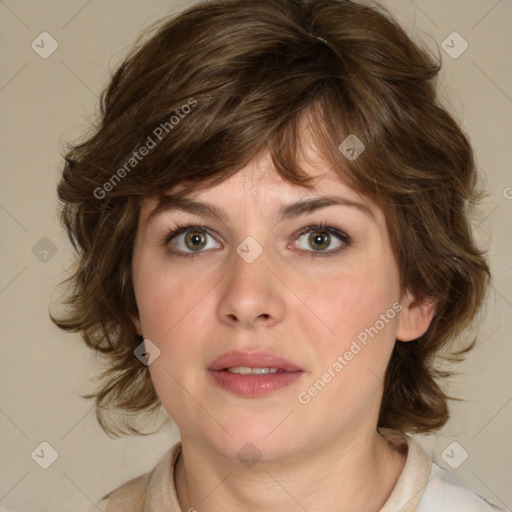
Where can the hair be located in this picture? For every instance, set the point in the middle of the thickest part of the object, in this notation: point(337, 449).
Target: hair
point(224, 81)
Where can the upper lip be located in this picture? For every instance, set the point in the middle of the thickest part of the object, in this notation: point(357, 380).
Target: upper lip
point(252, 360)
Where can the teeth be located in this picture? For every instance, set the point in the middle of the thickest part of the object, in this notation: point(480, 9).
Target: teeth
point(246, 370)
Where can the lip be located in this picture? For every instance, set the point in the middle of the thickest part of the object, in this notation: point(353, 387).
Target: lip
point(253, 360)
point(254, 385)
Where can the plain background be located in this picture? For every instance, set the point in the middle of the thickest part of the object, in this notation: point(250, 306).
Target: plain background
point(48, 102)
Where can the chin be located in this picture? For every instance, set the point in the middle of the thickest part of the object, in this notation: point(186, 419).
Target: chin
point(263, 442)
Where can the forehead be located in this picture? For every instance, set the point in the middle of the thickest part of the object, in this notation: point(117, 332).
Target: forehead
point(260, 182)
point(260, 179)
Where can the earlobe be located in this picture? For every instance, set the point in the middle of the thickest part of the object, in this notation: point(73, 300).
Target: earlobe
point(415, 317)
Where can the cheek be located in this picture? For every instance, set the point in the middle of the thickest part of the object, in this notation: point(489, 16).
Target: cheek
point(359, 312)
point(356, 315)
point(170, 311)
point(174, 308)
point(356, 296)
point(164, 294)
point(166, 306)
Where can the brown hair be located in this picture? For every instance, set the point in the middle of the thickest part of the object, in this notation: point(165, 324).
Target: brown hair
point(225, 80)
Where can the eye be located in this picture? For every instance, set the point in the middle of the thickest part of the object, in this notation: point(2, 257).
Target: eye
point(320, 237)
point(188, 240)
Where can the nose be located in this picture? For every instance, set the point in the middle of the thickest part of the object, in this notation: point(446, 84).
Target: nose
point(252, 294)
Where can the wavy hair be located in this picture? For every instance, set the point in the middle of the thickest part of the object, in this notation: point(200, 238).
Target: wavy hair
point(211, 88)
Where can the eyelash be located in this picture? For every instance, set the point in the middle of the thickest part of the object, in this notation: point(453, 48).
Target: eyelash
point(321, 226)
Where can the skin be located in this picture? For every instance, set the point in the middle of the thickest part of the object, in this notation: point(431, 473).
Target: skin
point(327, 454)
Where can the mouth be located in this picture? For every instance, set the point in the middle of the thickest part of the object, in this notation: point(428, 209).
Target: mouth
point(247, 370)
point(246, 362)
point(253, 374)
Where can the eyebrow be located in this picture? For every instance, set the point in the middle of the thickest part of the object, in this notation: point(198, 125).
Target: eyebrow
point(171, 203)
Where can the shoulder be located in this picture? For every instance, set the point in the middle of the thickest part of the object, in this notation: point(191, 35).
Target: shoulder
point(129, 497)
point(424, 486)
point(445, 492)
point(140, 493)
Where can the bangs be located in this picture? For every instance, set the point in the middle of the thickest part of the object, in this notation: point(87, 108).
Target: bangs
point(303, 138)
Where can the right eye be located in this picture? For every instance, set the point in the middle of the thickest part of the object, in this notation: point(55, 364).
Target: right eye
point(188, 240)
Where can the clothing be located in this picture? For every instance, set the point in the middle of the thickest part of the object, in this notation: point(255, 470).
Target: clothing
point(423, 486)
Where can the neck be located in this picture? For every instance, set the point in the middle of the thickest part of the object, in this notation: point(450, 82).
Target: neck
point(356, 474)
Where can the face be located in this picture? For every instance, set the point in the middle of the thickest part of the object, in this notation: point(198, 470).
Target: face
point(324, 299)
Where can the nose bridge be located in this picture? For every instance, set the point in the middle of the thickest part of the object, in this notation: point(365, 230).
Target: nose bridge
point(250, 271)
point(251, 290)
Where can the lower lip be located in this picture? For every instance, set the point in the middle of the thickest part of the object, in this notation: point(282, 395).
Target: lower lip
point(254, 385)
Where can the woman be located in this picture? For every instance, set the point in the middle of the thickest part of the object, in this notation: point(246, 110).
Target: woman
point(274, 244)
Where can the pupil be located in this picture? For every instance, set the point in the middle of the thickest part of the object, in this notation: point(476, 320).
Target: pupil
point(316, 239)
point(195, 238)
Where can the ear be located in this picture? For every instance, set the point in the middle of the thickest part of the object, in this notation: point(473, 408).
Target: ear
point(415, 317)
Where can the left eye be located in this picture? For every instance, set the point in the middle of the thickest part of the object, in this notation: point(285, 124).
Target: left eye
point(192, 240)
point(321, 237)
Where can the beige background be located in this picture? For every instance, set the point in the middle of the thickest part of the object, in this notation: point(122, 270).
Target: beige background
point(46, 102)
